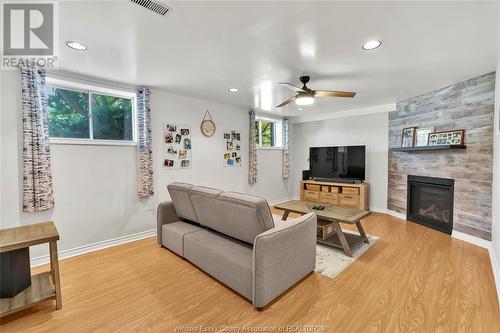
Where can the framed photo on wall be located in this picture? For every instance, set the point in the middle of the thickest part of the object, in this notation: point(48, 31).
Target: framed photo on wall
point(408, 137)
point(455, 137)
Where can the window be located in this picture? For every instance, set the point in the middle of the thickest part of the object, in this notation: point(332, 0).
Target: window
point(79, 113)
point(268, 132)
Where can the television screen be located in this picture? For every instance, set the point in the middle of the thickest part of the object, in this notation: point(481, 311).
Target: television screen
point(346, 162)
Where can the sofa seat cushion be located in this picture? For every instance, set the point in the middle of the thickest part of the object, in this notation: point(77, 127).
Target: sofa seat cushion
point(173, 235)
point(226, 259)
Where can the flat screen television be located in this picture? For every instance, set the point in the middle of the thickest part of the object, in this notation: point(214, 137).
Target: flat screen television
point(337, 163)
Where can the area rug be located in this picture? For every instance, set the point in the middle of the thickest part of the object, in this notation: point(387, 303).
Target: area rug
point(331, 261)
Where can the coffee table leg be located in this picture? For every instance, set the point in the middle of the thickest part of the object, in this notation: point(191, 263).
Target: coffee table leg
point(343, 241)
point(54, 267)
point(362, 232)
point(285, 215)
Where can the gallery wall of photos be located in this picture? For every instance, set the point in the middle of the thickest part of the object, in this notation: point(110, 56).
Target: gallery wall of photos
point(177, 146)
point(232, 146)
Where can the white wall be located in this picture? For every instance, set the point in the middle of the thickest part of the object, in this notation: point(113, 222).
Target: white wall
point(207, 160)
point(496, 183)
point(95, 186)
point(370, 130)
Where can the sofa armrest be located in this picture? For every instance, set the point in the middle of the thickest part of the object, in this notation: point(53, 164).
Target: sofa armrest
point(282, 256)
point(165, 214)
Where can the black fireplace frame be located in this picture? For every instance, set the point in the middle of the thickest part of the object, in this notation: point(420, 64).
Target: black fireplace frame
point(428, 222)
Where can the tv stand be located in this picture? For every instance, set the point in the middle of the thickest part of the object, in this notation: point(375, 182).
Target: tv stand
point(338, 180)
point(336, 193)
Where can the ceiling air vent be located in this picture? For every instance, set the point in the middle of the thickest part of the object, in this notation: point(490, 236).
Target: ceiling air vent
point(155, 6)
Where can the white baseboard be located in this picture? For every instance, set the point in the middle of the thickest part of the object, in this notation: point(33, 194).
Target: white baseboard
point(274, 202)
point(496, 270)
point(396, 214)
point(471, 239)
point(94, 247)
point(382, 210)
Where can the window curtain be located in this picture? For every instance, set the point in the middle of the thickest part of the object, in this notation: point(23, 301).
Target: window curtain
point(252, 150)
point(38, 193)
point(145, 186)
point(285, 166)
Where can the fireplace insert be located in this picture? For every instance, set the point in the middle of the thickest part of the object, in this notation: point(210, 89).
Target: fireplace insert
point(430, 202)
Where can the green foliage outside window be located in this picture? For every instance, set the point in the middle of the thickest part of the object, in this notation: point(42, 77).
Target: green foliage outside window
point(266, 133)
point(112, 117)
point(69, 115)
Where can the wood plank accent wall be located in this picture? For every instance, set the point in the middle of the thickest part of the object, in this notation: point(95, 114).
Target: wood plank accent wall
point(468, 105)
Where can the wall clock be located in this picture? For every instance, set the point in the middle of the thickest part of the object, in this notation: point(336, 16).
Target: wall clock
point(207, 125)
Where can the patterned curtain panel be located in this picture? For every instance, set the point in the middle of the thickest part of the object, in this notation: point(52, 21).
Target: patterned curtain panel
point(145, 187)
point(38, 193)
point(285, 167)
point(252, 151)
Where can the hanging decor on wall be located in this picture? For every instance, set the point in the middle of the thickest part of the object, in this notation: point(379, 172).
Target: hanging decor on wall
point(232, 148)
point(207, 125)
point(177, 146)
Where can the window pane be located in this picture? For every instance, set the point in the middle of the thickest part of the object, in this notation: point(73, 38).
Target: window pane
point(112, 117)
point(267, 134)
point(68, 113)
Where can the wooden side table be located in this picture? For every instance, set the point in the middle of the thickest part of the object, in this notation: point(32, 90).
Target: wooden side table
point(45, 285)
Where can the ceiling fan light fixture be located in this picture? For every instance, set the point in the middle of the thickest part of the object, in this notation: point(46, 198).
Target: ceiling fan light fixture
point(76, 45)
point(304, 100)
point(371, 45)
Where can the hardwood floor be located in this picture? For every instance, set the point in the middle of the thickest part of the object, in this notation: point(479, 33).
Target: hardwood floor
point(412, 279)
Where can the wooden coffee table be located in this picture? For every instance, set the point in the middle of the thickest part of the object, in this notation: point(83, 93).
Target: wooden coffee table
point(336, 215)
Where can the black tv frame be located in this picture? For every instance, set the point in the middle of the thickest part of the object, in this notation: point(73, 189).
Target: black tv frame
point(338, 180)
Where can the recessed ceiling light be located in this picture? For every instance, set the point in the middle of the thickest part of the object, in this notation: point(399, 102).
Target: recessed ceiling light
point(371, 45)
point(76, 45)
point(233, 89)
point(300, 109)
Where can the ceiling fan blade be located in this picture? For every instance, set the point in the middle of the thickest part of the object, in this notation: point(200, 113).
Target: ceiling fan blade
point(291, 86)
point(333, 93)
point(290, 100)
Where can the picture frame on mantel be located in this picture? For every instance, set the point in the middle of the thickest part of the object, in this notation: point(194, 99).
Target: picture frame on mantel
point(408, 137)
point(454, 137)
point(422, 136)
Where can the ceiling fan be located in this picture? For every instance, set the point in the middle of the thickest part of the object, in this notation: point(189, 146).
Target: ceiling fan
point(306, 96)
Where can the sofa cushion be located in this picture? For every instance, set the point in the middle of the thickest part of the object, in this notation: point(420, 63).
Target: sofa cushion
point(180, 198)
point(226, 259)
point(173, 235)
point(242, 216)
point(204, 200)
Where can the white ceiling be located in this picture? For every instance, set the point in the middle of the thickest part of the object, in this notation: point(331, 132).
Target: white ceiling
point(201, 49)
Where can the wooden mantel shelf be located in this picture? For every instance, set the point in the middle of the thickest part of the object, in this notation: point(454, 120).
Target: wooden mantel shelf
point(425, 148)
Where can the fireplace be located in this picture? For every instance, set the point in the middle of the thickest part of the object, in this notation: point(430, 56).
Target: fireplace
point(430, 202)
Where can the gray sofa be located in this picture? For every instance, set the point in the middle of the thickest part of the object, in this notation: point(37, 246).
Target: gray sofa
point(235, 238)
